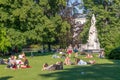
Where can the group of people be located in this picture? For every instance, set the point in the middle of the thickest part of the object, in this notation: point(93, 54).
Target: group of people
point(78, 61)
point(22, 62)
point(71, 49)
point(15, 63)
point(67, 59)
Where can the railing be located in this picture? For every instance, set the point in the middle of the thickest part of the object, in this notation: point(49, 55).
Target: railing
point(31, 50)
point(93, 50)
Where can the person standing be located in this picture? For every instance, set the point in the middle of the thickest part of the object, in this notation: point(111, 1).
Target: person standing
point(69, 50)
point(101, 54)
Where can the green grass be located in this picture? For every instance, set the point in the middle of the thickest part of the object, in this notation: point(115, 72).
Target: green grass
point(104, 69)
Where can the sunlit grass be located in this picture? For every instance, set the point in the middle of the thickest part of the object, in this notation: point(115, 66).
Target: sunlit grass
point(104, 69)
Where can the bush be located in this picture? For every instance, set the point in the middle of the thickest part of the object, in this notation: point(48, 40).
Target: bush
point(114, 54)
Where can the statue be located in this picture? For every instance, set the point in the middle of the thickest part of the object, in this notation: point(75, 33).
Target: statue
point(93, 42)
point(93, 20)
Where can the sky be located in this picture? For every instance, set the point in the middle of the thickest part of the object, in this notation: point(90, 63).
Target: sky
point(76, 5)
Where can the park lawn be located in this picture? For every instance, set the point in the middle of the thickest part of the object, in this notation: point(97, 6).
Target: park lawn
point(104, 69)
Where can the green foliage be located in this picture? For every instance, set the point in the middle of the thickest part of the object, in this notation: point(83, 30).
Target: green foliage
point(114, 54)
point(61, 29)
point(84, 34)
point(16, 37)
point(4, 40)
point(28, 22)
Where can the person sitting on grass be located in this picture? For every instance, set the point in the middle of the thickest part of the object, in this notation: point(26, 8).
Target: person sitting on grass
point(19, 63)
point(25, 63)
point(89, 55)
point(12, 62)
point(67, 61)
point(20, 56)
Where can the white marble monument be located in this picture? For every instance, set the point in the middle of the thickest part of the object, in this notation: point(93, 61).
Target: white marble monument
point(93, 41)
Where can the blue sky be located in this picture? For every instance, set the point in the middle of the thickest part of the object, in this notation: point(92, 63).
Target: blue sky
point(76, 4)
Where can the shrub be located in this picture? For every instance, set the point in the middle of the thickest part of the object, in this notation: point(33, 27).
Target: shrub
point(114, 54)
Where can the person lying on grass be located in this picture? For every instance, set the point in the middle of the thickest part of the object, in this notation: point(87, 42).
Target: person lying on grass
point(81, 62)
point(57, 66)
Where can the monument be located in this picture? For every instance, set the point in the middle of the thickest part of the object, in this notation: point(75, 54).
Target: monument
point(93, 41)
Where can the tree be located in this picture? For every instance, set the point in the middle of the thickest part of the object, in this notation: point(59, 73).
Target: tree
point(28, 22)
point(21, 18)
point(4, 40)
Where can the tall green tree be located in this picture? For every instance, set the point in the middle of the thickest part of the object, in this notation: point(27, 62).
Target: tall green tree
point(32, 21)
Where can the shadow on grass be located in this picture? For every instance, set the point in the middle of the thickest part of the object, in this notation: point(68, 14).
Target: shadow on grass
point(92, 72)
point(6, 78)
point(115, 61)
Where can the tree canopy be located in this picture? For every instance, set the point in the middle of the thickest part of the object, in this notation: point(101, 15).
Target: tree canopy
point(28, 21)
point(24, 22)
